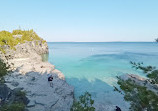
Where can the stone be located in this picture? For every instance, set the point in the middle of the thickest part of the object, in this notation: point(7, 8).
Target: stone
point(4, 91)
point(30, 74)
point(9, 96)
point(15, 84)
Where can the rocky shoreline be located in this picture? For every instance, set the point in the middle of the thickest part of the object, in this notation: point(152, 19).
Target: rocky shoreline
point(141, 81)
point(30, 73)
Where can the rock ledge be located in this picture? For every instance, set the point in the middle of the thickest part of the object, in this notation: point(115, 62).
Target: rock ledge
point(30, 73)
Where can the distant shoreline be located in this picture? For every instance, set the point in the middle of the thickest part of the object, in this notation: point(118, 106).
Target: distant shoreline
point(107, 42)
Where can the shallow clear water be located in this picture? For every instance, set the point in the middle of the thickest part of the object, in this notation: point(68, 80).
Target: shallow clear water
point(93, 67)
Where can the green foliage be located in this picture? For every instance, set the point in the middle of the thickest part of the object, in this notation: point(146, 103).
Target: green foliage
point(17, 36)
point(45, 57)
point(3, 69)
point(85, 103)
point(6, 38)
point(150, 71)
point(17, 103)
point(139, 96)
point(21, 94)
point(156, 39)
point(13, 107)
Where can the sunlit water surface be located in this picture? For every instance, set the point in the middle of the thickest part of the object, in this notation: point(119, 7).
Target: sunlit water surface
point(93, 67)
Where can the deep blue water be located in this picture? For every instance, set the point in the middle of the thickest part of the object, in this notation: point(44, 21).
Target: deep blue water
point(93, 67)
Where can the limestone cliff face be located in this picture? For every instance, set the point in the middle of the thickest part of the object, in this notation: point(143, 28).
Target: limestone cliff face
point(30, 73)
point(27, 49)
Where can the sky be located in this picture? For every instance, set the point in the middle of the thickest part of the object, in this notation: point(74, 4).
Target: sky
point(83, 20)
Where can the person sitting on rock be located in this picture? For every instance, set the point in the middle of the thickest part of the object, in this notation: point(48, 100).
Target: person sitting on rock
point(118, 109)
point(50, 79)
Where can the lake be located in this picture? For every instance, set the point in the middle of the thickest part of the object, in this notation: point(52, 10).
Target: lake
point(93, 66)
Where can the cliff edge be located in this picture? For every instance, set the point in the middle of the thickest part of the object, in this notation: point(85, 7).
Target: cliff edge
point(30, 74)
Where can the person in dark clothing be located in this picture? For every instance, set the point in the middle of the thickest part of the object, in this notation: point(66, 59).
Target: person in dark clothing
point(118, 109)
point(0, 99)
point(50, 79)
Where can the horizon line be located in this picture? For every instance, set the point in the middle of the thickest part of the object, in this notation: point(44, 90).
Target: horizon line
point(100, 41)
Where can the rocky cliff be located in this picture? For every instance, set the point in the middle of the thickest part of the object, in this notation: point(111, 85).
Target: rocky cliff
point(30, 73)
point(27, 49)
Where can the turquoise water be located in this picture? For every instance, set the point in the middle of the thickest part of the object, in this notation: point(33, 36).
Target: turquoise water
point(93, 67)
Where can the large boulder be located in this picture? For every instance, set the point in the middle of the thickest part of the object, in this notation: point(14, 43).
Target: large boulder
point(4, 92)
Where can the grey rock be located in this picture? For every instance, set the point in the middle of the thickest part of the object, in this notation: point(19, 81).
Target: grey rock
point(9, 96)
point(31, 73)
point(15, 84)
point(4, 91)
point(33, 78)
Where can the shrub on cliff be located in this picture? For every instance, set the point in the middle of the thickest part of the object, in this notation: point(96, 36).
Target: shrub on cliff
point(13, 107)
point(17, 36)
point(150, 71)
point(12, 100)
point(26, 35)
point(85, 103)
point(3, 68)
point(6, 38)
point(139, 97)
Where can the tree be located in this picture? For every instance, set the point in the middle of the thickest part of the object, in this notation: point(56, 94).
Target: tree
point(13, 107)
point(85, 103)
point(3, 68)
point(156, 39)
point(150, 71)
point(9, 39)
point(140, 98)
